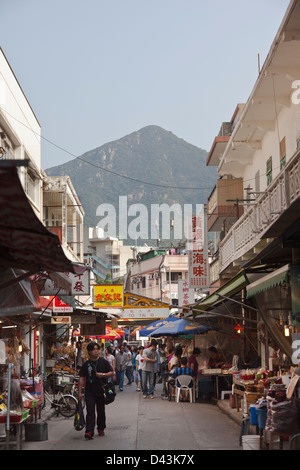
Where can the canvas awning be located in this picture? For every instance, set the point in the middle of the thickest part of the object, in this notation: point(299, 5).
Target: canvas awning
point(25, 243)
point(229, 289)
point(269, 281)
point(18, 297)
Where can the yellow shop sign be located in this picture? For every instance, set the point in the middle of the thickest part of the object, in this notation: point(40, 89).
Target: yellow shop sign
point(108, 296)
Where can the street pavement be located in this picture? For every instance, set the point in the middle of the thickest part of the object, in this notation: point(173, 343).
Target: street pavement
point(138, 424)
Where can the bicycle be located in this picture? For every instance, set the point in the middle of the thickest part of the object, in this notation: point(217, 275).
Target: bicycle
point(65, 404)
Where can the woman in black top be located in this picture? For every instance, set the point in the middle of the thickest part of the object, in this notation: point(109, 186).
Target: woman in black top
point(95, 372)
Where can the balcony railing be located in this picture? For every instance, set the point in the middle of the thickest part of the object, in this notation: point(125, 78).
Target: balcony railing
point(257, 220)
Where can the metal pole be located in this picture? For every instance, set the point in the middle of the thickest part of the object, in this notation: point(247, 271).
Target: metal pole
point(8, 405)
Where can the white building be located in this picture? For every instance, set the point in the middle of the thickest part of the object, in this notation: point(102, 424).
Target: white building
point(258, 163)
point(262, 150)
point(156, 275)
point(63, 214)
point(109, 255)
point(20, 134)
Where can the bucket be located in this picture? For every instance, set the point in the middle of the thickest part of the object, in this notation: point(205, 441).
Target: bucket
point(36, 431)
point(262, 417)
point(251, 442)
point(253, 415)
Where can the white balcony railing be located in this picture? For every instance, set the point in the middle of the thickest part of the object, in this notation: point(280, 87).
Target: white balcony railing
point(254, 223)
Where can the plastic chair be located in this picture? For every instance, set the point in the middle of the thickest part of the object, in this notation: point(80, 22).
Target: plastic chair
point(183, 383)
point(294, 443)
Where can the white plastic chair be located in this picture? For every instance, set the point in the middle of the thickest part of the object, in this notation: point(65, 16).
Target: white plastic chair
point(183, 383)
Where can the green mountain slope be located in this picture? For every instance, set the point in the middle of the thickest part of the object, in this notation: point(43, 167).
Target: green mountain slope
point(151, 155)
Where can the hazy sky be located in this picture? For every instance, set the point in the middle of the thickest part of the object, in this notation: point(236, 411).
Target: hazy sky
point(97, 70)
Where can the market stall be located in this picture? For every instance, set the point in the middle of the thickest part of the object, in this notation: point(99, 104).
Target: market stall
point(269, 402)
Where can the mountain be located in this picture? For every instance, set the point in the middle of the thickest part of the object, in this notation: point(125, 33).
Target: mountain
point(150, 155)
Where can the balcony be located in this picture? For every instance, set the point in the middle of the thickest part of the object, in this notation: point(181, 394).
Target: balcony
point(271, 214)
point(221, 208)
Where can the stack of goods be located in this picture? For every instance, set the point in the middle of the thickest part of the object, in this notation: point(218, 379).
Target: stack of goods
point(28, 400)
point(17, 412)
point(282, 417)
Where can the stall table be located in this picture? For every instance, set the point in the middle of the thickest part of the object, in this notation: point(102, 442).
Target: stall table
point(16, 420)
point(215, 375)
point(239, 390)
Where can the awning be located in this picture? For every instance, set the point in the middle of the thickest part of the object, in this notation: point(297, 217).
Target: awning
point(269, 281)
point(229, 289)
point(25, 243)
point(18, 297)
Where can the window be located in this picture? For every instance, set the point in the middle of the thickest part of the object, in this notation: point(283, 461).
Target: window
point(282, 153)
point(269, 170)
point(175, 276)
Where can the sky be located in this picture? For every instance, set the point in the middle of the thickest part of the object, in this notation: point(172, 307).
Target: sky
point(98, 70)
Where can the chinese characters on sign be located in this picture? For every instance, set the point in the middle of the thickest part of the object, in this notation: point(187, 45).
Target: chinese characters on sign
point(108, 296)
point(79, 282)
point(61, 320)
point(197, 252)
point(145, 313)
point(185, 293)
point(59, 306)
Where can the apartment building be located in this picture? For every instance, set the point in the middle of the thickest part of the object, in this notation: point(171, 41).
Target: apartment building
point(156, 274)
point(27, 248)
point(20, 134)
point(63, 215)
point(108, 255)
point(255, 205)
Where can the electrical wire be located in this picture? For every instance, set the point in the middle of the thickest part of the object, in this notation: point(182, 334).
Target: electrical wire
point(118, 174)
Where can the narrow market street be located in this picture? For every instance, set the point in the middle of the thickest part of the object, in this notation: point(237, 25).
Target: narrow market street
point(134, 424)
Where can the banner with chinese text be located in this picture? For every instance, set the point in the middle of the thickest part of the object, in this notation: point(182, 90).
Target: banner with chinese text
point(186, 295)
point(108, 296)
point(197, 251)
point(59, 306)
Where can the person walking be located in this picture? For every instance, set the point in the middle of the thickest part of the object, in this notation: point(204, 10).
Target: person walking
point(162, 357)
point(121, 358)
point(94, 372)
point(139, 364)
point(111, 360)
point(134, 371)
point(128, 371)
point(150, 358)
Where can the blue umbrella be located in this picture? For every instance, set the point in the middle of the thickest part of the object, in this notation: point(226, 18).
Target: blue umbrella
point(181, 327)
point(156, 324)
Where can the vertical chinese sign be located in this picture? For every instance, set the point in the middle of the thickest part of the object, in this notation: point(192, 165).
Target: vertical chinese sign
point(197, 251)
point(108, 296)
point(186, 295)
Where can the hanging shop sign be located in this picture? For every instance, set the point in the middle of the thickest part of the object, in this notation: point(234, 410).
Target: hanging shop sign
point(108, 296)
point(186, 295)
point(61, 320)
point(59, 306)
point(79, 282)
point(197, 251)
point(144, 313)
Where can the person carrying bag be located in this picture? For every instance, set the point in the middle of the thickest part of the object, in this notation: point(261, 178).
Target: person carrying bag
point(95, 373)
